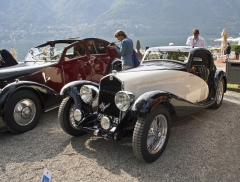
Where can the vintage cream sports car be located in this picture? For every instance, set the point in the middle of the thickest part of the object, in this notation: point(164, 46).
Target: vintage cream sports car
point(139, 102)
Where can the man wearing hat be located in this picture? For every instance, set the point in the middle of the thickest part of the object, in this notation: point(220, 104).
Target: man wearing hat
point(196, 40)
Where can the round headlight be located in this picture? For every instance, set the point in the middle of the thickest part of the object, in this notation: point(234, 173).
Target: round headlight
point(105, 123)
point(123, 100)
point(88, 93)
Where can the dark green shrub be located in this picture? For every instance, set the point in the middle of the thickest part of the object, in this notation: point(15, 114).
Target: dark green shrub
point(236, 48)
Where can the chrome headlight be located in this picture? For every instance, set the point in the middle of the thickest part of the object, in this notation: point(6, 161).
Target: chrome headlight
point(105, 123)
point(123, 100)
point(88, 93)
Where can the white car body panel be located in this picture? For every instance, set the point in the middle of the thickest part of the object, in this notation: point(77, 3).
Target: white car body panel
point(179, 83)
point(196, 89)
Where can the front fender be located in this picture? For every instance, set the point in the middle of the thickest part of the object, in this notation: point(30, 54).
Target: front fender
point(68, 88)
point(46, 95)
point(144, 104)
point(72, 89)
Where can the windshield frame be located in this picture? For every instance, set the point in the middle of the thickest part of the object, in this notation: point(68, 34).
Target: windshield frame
point(176, 54)
point(46, 53)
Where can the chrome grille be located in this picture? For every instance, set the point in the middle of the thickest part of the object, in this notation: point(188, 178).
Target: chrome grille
point(109, 86)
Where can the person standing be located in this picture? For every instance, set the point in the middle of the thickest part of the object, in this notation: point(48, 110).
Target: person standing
point(227, 51)
point(195, 40)
point(125, 50)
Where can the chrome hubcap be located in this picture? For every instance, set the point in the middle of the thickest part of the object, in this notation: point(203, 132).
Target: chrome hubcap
point(219, 93)
point(157, 134)
point(24, 112)
point(73, 122)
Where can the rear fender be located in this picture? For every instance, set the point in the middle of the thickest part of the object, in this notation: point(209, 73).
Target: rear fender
point(213, 82)
point(218, 75)
point(44, 93)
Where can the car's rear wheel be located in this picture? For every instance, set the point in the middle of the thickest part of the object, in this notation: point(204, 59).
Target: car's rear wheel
point(22, 111)
point(151, 134)
point(219, 94)
point(66, 119)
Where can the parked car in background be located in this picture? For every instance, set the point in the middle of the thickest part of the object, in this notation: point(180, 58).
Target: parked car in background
point(139, 102)
point(32, 86)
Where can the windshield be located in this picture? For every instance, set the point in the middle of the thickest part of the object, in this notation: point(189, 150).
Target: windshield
point(166, 55)
point(44, 54)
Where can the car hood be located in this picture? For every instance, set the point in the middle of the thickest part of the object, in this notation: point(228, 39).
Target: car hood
point(146, 73)
point(143, 79)
point(20, 69)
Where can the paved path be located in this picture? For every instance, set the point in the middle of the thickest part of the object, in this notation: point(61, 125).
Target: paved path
point(220, 65)
point(202, 147)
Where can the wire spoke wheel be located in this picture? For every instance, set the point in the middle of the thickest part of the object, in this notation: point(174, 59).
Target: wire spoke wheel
point(219, 92)
point(66, 118)
point(157, 134)
point(151, 134)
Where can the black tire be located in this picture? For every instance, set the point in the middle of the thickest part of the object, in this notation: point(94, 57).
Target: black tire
point(219, 94)
point(22, 111)
point(64, 118)
point(142, 131)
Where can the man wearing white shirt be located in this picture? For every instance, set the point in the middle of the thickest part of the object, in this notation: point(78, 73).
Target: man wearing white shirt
point(196, 40)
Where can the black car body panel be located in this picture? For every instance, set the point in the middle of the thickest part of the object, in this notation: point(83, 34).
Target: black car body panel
point(49, 98)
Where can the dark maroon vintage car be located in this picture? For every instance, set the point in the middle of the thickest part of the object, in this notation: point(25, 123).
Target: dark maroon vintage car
point(32, 86)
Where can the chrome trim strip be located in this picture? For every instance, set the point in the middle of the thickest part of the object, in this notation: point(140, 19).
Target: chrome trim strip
point(54, 107)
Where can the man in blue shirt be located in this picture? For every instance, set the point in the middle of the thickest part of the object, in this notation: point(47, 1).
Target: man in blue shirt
point(125, 50)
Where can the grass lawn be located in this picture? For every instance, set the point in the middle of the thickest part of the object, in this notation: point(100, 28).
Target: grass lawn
point(229, 85)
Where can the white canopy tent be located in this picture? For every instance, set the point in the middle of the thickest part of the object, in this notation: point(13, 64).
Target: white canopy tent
point(236, 40)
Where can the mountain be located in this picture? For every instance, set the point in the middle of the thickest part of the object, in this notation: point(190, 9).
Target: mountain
point(86, 18)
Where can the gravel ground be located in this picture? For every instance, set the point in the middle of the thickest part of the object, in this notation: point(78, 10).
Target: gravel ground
point(202, 147)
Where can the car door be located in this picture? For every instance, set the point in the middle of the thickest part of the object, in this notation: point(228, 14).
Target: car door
point(197, 88)
point(99, 59)
point(101, 47)
point(53, 77)
point(75, 63)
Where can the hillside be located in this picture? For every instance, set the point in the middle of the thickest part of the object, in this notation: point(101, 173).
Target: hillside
point(86, 18)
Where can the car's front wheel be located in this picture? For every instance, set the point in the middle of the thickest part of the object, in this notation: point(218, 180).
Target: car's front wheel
point(66, 118)
point(151, 134)
point(22, 111)
point(219, 94)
